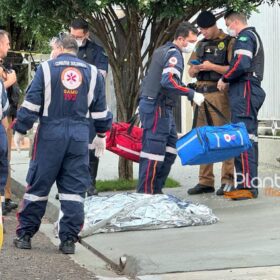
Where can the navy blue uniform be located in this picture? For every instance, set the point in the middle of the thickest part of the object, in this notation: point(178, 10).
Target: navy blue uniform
point(62, 94)
point(246, 98)
point(4, 165)
point(160, 135)
point(94, 55)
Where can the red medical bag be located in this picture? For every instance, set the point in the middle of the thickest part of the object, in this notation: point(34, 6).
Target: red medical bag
point(125, 140)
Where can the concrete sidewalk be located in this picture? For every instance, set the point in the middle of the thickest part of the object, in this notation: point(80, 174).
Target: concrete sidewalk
point(246, 236)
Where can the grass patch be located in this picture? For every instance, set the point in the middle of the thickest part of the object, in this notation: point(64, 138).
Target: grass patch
point(127, 185)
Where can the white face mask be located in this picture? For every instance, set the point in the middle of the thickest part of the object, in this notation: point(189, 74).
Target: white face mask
point(231, 32)
point(79, 42)
point(189, 48)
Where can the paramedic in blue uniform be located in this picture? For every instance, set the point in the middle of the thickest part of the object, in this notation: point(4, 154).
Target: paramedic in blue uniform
point(246, 97)
point(160, 90)
point(6, 80)
point(94, 54)
point(4, 165)
point(62, 94)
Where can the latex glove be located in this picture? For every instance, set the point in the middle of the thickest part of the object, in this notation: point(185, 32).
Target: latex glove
point(18, 137)
point(198, 98)
point(99, 145)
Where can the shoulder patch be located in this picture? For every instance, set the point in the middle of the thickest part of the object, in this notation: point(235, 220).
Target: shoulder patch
point(243, 38)
point(173, 60)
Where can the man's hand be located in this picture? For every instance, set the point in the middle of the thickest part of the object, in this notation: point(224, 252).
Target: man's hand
point(18, 137)
point(99, 145)
point(206, 66)
point(194, 70)
point(198, 98)
point(222, 86)
point(10, 78)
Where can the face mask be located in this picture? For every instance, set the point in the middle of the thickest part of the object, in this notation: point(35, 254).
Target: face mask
point(231, 32)
point(79, 42)
point(189, 48)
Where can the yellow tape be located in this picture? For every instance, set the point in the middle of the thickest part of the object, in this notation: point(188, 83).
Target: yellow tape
point(1, 225)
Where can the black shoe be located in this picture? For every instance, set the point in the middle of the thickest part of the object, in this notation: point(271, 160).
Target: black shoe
point(225, 188)
point(4, 210)
point(67, 247)
point(92, 191)
point(10, 205)
point(23, 242)
point(199, 189)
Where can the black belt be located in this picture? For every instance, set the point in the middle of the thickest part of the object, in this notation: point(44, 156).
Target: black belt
point(206, 89)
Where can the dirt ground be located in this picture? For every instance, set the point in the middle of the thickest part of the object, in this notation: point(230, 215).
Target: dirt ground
point(43, 262)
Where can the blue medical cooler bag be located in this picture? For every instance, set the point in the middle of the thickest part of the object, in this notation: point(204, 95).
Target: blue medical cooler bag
point(209, 144)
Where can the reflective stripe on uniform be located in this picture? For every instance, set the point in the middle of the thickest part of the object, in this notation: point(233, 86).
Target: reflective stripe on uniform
point(47, 81)
point(171, 150)
point(244, 52)
point(71, 197)
point(172, 70)
point(33, 197)
point(151, 156)
point(99, 115)
point(93, 72)
point(30, 106)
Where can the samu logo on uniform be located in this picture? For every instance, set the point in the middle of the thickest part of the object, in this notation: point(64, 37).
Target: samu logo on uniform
point(71, 78)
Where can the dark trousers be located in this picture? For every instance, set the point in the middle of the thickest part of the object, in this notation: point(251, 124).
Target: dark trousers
point(246, 98)
point(60, 154)
point(158, 146)
point(4, 165)
point(93, 168)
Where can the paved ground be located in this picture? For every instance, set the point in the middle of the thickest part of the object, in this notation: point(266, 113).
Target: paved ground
point(44, 261)
point(246, 236)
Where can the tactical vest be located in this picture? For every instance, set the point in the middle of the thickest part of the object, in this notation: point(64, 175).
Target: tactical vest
point(151, 84)
point(257, 67)
point(214, 51)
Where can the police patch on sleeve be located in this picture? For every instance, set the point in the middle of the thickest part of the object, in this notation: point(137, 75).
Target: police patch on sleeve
point(71, 78)
point(243, 38)
point(173, 60)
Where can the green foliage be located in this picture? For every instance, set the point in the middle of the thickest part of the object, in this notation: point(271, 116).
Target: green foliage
point(127, 185)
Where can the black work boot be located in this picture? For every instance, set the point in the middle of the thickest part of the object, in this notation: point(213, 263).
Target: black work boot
point(67, 247)
point(199, 189)
point(23, 242)
point(10, 205)
point(225, 188)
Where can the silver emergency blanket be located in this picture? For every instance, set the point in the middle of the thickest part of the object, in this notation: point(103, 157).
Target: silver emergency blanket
point(133, 211)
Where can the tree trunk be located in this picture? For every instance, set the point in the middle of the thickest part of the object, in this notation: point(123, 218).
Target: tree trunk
point(125, 169)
